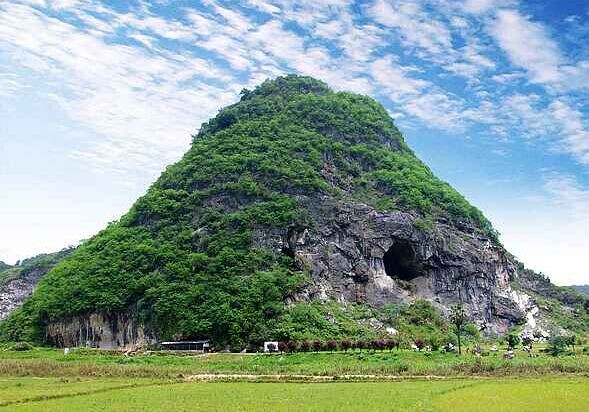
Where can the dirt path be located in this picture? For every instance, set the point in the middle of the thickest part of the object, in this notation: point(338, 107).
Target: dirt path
point(213, 377)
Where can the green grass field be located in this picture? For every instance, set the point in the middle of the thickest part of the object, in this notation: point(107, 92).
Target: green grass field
point(51, 362)
point(89, 380)
point(104, 394)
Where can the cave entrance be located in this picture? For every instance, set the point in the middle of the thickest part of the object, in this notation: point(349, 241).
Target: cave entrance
point(400, 261)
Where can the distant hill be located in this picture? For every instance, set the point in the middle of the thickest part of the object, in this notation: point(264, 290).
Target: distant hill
point(582, 288)
point(18, 282)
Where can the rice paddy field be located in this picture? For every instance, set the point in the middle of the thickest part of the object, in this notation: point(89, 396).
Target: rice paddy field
point(107, 394)
point(87, 380)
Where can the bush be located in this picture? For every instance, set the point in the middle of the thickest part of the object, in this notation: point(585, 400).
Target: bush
point(345, 344)
point(317, 345)
point(557, 345)
point(392, 344)
point(21, 347)
point(292, 346)
point(512, 340)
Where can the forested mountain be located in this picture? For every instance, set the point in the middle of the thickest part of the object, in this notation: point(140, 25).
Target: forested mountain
point(297, 209)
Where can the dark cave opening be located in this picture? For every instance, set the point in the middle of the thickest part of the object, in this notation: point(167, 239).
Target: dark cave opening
point(286, 250)
point(400, 261)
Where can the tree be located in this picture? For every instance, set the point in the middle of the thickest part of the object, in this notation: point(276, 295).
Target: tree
point(512, 340)
point(557, 345)
point(572, 341)
point(331, 345)
point(528, 342)
point(458, 318)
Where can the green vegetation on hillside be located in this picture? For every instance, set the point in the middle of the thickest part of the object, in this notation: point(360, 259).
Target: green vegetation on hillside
point(182, 257)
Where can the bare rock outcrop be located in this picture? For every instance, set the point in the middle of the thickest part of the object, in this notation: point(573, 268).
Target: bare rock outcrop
point(357, 254)
point(100, 330)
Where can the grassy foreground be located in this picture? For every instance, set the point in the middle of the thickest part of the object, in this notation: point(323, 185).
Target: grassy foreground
point(51, 362)
point(107, 394)
point(89, 380)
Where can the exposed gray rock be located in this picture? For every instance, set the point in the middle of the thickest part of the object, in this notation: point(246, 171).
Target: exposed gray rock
point(100, 330)
point(18, 282)
point(17, 288)
point(357, 254)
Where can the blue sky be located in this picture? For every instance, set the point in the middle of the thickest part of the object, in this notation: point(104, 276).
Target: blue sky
point(97, 97)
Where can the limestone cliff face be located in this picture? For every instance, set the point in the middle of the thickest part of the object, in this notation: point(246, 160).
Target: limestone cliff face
point(100, 330)
point(357, 254)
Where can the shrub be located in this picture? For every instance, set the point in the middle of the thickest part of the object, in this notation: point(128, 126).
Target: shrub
point(392, 344)
point(331, 345)
point(282, 347)
point(557, 345)
point(345, 344)
point(305, 346)
point(317, 345)
point(360, 344)
point(21, 347)
point(291, 346)
point(512, 340)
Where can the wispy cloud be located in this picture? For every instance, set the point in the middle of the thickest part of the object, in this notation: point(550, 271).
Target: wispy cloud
point(142, 82)
point(558, 123)
point(143, 104)
point(415, 26)
point(566, 192)
point(528, 45)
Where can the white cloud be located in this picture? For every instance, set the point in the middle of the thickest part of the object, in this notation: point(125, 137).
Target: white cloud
point(417, 97)
point(484, 6)
point(528, 45)
point(137, 100)
point(478, 6)
point(508, 78)
point(566, 193)
point(417, 27)
point(548, 231)
point(558, 122)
